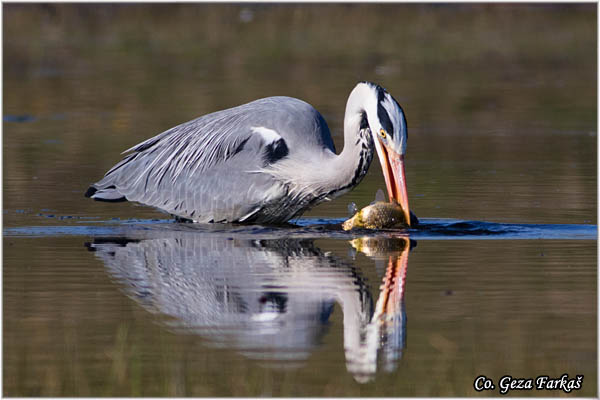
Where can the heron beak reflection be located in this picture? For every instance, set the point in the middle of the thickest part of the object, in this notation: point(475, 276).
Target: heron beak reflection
point(392, 165)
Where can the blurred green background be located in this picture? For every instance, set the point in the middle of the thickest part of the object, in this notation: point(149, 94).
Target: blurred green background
point(501, 104)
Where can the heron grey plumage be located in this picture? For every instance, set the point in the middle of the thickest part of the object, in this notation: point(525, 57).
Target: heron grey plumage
point(267, 161)
point(270, 299)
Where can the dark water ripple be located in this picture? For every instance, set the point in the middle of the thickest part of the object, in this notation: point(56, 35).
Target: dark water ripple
point(18, 118)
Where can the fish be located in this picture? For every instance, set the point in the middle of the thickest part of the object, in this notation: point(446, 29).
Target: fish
point(378, 215)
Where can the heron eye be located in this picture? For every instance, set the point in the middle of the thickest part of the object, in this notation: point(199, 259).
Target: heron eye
point(382, 133)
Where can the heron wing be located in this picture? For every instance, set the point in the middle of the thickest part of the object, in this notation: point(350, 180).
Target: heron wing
point(203, 169)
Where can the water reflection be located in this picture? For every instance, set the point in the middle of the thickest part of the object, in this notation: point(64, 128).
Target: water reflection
point(385, 334)
point(270, 300)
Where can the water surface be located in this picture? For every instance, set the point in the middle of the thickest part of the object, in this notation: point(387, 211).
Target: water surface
point(175, 308)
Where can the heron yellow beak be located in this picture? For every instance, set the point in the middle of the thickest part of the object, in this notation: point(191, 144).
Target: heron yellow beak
point(392, 165)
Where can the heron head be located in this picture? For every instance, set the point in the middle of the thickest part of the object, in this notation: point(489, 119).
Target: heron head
point(388, 127)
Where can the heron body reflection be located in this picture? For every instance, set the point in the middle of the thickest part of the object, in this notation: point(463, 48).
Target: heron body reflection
point(270, 300)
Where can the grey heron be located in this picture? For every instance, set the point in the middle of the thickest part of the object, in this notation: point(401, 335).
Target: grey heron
point(267, 161)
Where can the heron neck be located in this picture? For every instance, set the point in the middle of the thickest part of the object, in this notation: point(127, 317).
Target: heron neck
point(322, 175)
point(352, 164)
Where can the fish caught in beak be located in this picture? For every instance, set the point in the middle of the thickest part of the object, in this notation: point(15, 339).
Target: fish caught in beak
point(392, 165)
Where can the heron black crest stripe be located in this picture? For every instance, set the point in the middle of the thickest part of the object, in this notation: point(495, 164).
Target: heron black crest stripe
point(384, 119)
point(382, 114)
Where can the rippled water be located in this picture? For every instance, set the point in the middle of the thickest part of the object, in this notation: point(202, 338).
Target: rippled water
point(156, 307)
point(119, 300)
point(322, 228)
